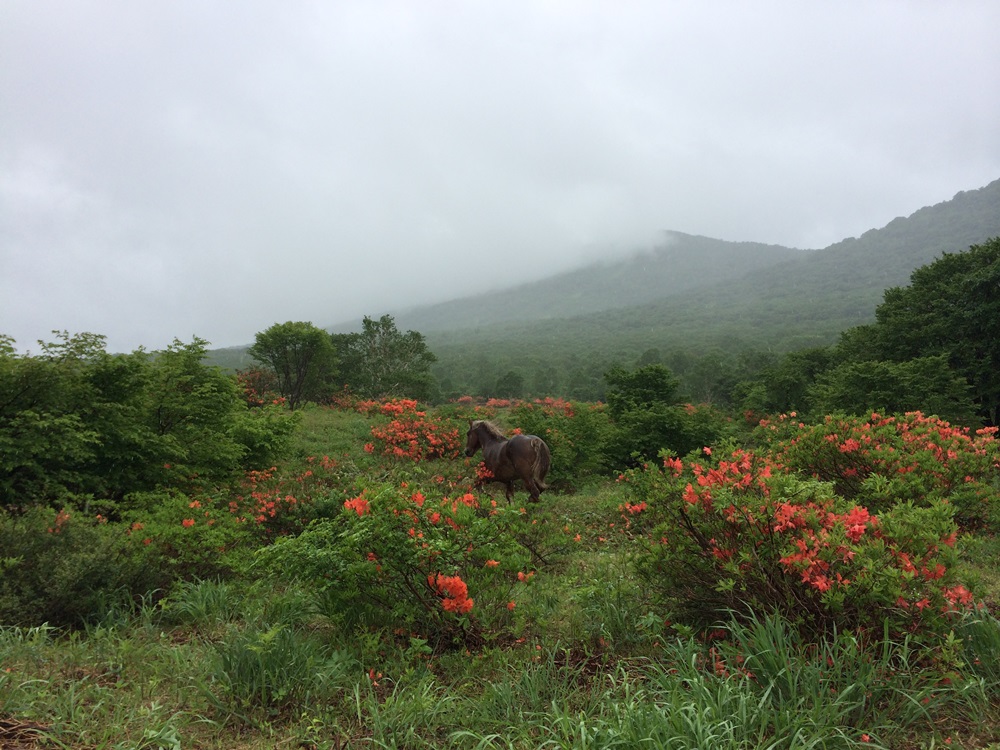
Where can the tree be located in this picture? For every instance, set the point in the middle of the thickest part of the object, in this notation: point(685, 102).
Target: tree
point(639, 389)
point(785, 386)
point(301, 356)
point(924, 384)
point(81, 426)
point(380, 361)
point(951, 308)
point(509, 385)
point(647, 416)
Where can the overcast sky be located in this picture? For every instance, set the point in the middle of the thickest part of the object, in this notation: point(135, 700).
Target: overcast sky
point(182, 168)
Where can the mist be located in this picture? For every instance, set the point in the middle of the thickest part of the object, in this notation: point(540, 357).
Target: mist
point(193, 169)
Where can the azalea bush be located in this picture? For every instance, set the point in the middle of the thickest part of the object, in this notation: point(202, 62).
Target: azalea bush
point(208, 535)
point(190, 537)
point(443, 565)
point(880, 461)
point(280, 501)
point(410, 432)
point(742, 534)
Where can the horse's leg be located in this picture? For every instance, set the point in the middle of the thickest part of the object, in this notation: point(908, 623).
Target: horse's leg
point(533, 489)
point(510, 492)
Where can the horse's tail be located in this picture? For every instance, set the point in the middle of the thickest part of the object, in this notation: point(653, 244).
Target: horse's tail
point(540, 466)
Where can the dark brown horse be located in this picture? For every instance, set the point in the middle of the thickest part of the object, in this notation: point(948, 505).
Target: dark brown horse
point(524, 457)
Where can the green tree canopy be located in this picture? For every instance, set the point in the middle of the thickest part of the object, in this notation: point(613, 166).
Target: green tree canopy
point(785, 385)
point(647, 416)
point(951, 309)
point(510, 385)
point(924, 384)
point(641, 388)
point(302, 358)
point(78, 424)
point(380, 361)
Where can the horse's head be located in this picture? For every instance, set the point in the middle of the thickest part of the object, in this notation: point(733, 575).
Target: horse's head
point(472, 439)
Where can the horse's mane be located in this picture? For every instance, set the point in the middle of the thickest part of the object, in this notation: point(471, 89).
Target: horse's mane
point(492, 429)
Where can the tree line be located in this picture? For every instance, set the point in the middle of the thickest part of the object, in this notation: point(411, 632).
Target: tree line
point(934, 346)
point(80, 424)
point(309, 364)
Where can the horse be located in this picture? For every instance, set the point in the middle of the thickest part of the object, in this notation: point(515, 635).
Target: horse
point(524, 457)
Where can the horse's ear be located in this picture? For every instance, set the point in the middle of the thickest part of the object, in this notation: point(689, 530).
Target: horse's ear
point(470, 424)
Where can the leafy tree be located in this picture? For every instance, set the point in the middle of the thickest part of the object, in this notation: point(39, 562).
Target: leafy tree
point(785, 386)
point(380, 361)
point(638, 389)
point(924, 384)
point(44, 441)
point(647, 417)
point(80, 426)
point(951, 308)
point(301, 356)
point(193, 410)
point(509, 385)
point(651, 356)
point(545, 381)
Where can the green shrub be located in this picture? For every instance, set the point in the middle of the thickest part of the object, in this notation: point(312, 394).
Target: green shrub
point(193, 537)
point(397, 558)
point(879, 461)
point(65, 570)
point(740, 534)
point(265, 434)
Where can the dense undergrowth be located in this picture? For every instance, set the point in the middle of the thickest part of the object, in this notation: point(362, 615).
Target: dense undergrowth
point(794, 586)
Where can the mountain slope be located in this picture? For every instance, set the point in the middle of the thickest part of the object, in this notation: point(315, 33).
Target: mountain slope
point(682, 262)
point(694, 293)
point(845, 280)
point(803, 301)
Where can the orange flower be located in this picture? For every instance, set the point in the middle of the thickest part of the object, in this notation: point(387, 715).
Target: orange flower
point(491, 563)
point(187, 523)
point(454, 591)
point(358, 504)
point(511, 605)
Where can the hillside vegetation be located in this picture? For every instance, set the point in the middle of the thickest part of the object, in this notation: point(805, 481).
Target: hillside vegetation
point(369, 590)
point(195, 559)
point(802, 301)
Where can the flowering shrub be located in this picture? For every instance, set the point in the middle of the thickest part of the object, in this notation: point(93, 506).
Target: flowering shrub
point(190, 537)
point(204, 536)
point(405, 559)
point(259, 386)
point(742, 534)
point(411, 433)
point(276, 502)
point(884, 460)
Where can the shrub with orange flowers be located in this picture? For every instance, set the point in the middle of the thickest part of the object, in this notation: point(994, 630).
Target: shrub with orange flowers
point(743, 534)
point(411, 433)
point(880, 461)
point(434, 561)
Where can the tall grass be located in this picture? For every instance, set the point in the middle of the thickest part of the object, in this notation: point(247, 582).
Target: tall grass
point(262, 672)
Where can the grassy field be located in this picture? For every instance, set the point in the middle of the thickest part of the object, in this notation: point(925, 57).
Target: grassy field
point(583, 661)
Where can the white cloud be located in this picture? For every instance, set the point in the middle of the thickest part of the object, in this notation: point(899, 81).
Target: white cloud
point(191, 168)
